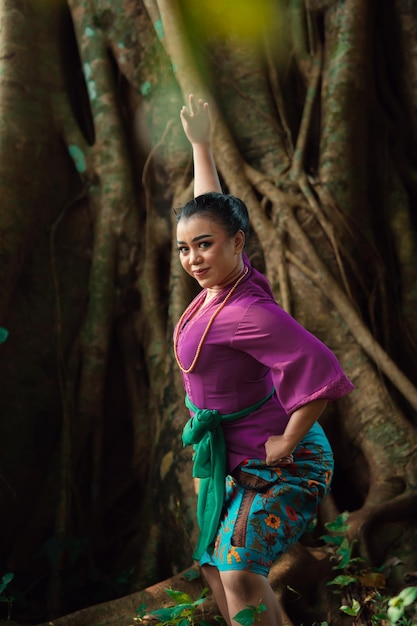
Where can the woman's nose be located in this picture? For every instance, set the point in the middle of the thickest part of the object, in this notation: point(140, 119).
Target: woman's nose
point(195, 256)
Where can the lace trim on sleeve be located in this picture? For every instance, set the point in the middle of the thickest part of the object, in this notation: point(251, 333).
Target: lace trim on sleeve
point(332, 391)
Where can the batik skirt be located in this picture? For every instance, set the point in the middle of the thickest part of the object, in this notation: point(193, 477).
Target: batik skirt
point(267, 509)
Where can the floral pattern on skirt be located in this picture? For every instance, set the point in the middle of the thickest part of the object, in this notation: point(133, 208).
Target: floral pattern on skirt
point(267, 509)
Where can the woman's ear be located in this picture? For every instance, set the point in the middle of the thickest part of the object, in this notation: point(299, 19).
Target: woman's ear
point(239, 241)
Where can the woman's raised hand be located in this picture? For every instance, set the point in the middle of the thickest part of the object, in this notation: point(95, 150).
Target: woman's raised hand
point(196, 120)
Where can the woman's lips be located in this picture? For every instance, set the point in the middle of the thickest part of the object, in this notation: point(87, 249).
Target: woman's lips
point(200, 273)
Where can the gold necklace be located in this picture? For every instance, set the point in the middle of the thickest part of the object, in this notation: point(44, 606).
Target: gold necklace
point(204, 335)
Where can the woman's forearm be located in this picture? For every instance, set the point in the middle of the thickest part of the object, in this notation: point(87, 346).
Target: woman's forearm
point(278, 447)
point(206, 178)
point(197, 127)
point(302, 420)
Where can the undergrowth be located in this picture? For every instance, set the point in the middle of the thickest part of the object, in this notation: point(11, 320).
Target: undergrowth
point(361, 590)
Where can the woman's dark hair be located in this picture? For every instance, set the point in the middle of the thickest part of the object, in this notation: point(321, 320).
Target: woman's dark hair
point(224, 209)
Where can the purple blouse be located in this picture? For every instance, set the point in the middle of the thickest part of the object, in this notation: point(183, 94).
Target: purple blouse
point(253, 345)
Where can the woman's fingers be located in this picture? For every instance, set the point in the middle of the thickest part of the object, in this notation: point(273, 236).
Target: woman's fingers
point(192, 104)
point(196, 106)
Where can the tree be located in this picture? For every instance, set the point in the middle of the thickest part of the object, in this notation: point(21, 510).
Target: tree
point(315, 112)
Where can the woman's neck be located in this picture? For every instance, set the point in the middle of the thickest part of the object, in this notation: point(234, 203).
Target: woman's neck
point(212, 293)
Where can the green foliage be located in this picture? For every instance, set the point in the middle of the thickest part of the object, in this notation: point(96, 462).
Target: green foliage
point(398, 605)
point(6, 597)
point(353, 610)
point(3, 334)
point(363, 586)
point(4, 582)
point(354, 578)
point(191, 574)
point(182, 613)
point(250, 615)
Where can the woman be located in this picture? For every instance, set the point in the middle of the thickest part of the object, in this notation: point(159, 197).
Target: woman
point(256, 384)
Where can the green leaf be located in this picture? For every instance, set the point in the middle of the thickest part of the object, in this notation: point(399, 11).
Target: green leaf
point(180, 597)
point(3, 334)
point(394, 613)
point(335, 540)
point(141, 610)
point(204, 593)
point(345, 552)
point(246, 617)
point(181, 610)
point(379, 617)
point(353, 610)
point(163, 614)
point(408, 595)
point(338, 525)
point(343, 580)
point(6, 579)
point(191, 574)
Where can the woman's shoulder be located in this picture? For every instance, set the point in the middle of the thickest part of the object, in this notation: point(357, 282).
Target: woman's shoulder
point(259, 282)
point(255, 290)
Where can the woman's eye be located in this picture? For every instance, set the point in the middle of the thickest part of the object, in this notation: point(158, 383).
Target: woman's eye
point(204, 244)
point(182, 249)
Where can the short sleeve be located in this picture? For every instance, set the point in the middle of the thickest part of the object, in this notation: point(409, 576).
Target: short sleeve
point(303, 367)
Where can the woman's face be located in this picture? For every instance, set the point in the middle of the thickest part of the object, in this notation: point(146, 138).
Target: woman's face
point(208, 253)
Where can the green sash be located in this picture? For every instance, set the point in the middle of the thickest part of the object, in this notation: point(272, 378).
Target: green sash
point(204, 431)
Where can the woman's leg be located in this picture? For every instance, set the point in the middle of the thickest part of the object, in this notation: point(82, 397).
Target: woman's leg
point(212, 576)
point(242, 589)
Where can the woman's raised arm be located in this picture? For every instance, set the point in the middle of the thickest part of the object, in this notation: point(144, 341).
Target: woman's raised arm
point(197, 126)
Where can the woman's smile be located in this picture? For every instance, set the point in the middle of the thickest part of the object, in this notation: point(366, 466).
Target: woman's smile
point(200, 272)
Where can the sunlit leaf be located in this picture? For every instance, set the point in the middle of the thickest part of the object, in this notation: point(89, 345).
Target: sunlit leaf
point(353, 610)
point(180, 597)
point(408, 595)
point(394, 613)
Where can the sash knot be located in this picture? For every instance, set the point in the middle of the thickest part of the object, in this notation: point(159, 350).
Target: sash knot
point(204, 431)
